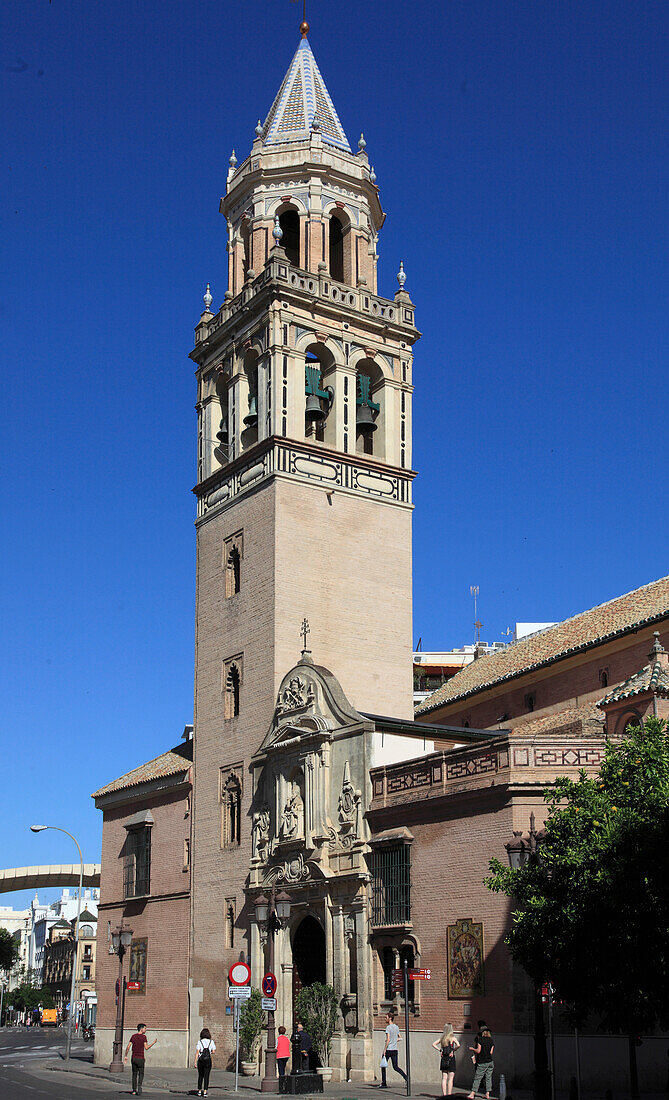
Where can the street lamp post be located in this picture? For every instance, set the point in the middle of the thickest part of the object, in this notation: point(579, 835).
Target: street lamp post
point(75, 958)
point(121, 940)
point(271, 913)
point(521, 851)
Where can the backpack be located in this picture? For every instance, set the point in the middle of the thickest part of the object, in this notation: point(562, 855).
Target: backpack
point(205, 1054)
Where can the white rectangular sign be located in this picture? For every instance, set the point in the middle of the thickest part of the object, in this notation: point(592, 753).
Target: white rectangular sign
point(269, 1004)
point(243, 991)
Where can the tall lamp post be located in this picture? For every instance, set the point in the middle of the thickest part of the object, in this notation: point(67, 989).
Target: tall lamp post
point(75, 958)
point(121, 940)
point(272, 914)
point(520, 851)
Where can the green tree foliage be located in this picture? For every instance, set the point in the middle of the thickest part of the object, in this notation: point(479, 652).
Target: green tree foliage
point(251, 1023)
point(27, 997)
point(592, 912)
point(9, 950)
point(316, 1007)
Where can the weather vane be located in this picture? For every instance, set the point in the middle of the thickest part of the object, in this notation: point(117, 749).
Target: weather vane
point(304, 29)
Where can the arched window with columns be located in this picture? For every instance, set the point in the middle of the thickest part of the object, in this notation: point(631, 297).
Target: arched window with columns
point(289, 220)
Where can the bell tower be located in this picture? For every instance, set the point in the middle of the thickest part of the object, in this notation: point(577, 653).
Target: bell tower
point(304, 477)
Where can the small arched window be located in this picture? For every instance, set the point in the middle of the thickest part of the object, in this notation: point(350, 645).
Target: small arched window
point(86, 932)
point(233, 572)
point(246, 245)
point(230, 926)
point(231, 812)
point(232, 681)
point(290, 242)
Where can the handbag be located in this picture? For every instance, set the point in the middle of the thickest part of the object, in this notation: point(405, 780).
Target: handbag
point(384, 1061)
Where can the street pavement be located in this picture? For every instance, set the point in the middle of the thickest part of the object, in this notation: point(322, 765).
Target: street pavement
point(32, 1066)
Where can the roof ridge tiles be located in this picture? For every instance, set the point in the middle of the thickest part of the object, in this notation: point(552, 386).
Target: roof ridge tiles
point(588, 628)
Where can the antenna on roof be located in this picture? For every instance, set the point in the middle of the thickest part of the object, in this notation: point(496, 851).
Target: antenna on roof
point(474, 591)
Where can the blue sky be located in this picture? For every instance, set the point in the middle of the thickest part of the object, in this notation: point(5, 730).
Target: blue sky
point(520, 148)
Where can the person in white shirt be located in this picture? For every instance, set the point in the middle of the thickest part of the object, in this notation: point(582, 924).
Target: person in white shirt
point(390, 1050)
point(203, 1060)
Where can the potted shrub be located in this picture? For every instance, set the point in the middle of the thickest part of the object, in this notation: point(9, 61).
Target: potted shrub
point(316, 1007)
point(250, 1032)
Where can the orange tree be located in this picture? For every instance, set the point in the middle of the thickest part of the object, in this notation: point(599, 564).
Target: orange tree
point(592, 911)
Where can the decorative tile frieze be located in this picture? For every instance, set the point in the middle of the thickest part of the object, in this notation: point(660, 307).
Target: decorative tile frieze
point(324, 470)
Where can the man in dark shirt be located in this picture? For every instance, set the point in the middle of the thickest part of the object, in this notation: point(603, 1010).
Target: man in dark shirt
point(139, 1044)
point(302, 1040)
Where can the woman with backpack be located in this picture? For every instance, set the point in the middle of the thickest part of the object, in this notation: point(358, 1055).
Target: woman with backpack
point(203, 1052)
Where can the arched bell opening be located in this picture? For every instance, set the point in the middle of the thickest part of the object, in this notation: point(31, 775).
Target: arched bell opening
point(250, 418)
point(308, 944)
point(319, 394)
point(336, 249)
point(368, 408)
point(289, 220)
point(245, 235)
point(222, 448)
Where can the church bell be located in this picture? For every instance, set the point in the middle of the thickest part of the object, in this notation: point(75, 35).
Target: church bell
point(314, 410)
point(251, 419)
point(364, 421)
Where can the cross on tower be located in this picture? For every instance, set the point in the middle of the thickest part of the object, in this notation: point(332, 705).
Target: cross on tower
point(303, 633)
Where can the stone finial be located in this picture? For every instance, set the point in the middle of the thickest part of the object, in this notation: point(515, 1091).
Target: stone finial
point(315, 125)
point(372, 175)
point(277, 231)
point(207, 299)
point(259, 129)
point(233, 160)
point(362, 144)
point(401, 275)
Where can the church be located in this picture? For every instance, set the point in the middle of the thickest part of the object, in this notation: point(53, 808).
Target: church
point(304, 771)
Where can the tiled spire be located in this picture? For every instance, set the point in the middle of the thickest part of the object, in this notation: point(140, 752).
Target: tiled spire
point(302, 98)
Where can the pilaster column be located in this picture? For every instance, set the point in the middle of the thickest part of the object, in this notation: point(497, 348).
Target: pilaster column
point(364, 960)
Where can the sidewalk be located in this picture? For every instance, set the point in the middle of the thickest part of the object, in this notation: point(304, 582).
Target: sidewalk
point(183, 1082)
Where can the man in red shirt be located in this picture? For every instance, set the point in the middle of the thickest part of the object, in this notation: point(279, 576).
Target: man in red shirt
point(139, 1044)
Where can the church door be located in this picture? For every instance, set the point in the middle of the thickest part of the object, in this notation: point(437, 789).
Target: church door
point(308, 955)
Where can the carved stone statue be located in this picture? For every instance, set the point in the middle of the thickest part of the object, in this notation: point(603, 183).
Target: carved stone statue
point(298, 694)
point(348, 802)
point(292, 818)
point(260, 832)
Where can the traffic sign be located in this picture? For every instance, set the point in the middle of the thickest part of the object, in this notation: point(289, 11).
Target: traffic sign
point(419, 975)
point(241, 991)
point(269, 984)
point(239, 974)
point(268, 1004)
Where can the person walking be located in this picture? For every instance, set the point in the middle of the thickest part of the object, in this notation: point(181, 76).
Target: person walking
point(140, 1044)
point(447, 1046)
point(203, 1060)
point(483, 1052)
point(282, 1051)
point(390, 1050)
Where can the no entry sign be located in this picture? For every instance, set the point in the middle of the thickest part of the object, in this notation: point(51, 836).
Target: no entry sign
point(239, 974)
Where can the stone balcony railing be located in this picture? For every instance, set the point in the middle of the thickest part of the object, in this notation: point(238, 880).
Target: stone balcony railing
point(398, 311)
point(502, 761)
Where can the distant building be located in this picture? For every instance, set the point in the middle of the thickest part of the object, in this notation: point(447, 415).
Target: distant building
point(57, 964)
point(431, 670)
point(17, 922)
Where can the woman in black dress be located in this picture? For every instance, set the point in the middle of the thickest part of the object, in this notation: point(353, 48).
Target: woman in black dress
point(447, 1045)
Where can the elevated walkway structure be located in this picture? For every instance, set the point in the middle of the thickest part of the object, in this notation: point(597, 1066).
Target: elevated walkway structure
point(45, 876)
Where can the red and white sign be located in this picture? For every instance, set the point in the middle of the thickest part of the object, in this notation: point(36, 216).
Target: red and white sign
point(420, 975)
point(269, 984)
point(132, 986)
point(239, 974)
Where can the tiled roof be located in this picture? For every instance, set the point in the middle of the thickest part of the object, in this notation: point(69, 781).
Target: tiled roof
point(581, 720)
point(638, 608)
point(301, 99)
point(176, 760)
point(653, 677)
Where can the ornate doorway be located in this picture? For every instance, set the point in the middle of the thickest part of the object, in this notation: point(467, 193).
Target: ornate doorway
point(308, 955)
